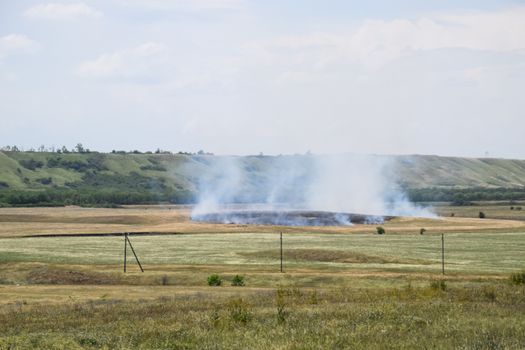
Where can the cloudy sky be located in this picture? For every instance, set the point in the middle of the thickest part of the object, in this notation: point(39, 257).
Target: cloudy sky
point(440, 77)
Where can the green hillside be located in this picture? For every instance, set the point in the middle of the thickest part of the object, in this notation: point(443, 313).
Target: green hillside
point(125, 178)
point(433, 171)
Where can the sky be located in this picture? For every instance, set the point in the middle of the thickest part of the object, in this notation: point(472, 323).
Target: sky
point(273, 76)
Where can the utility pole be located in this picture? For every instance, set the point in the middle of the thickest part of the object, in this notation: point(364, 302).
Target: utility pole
point(281, 252)
point(125, 249)
point(442, 254)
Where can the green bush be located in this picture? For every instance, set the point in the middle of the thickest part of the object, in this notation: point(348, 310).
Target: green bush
point(31, 164)
point(518, 278)
point(380, 230)
point(238, 281)
point(214, 280)
point(481, 215)
point(422, 231)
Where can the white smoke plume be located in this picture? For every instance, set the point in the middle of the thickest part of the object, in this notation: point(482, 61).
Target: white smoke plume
point(337, 183)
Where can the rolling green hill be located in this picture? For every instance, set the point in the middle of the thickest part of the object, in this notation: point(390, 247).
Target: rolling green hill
point(99, 178)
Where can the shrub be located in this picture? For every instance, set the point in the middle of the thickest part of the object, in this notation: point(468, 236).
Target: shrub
point(511, 208)
point(31, 164)
point(422, 231)
point(380, 230)
point(214, 280)
point(215, 317)
point(154, 167)
point(518, 278)
point(45, 180)
point(481, 215)
point(164, 280)
point(438, 285)
point(239, 311)
point(238, 281)
point(281, 306)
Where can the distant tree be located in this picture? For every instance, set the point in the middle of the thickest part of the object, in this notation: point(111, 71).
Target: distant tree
point(64, 149)
point(481, 215)
point(380, 230)
point(422, 231)
point(79, 148)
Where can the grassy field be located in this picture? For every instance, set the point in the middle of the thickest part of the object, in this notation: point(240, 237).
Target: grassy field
point(342, 287)
point(16, 222)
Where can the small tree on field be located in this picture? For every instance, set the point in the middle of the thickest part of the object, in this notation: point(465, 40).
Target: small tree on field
point(481, 215)
point(422, 231)
point(380, 230)
point(214, 280)
point(238, 281)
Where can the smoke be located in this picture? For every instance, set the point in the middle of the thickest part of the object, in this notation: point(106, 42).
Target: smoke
point(324, 183)
point(219, 184)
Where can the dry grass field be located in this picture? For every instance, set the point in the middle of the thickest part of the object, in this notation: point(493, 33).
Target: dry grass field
point(16, 222)
point(342, 287)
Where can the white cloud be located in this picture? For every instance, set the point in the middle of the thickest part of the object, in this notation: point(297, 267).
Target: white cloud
point(376, 42)
point(62, 12)
point(186, 5)
point(15, 44)
point(141, 62)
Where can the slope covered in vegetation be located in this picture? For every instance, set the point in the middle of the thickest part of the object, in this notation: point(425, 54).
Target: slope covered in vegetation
point(45, 178)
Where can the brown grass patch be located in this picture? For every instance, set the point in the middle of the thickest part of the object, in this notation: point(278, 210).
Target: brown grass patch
point(324, 255)
point(45, 275)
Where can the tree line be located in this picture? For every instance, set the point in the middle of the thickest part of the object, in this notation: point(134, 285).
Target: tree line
point(79, 148)
point(464, 196)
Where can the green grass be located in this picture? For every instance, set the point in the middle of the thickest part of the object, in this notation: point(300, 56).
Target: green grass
point(474, 253)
